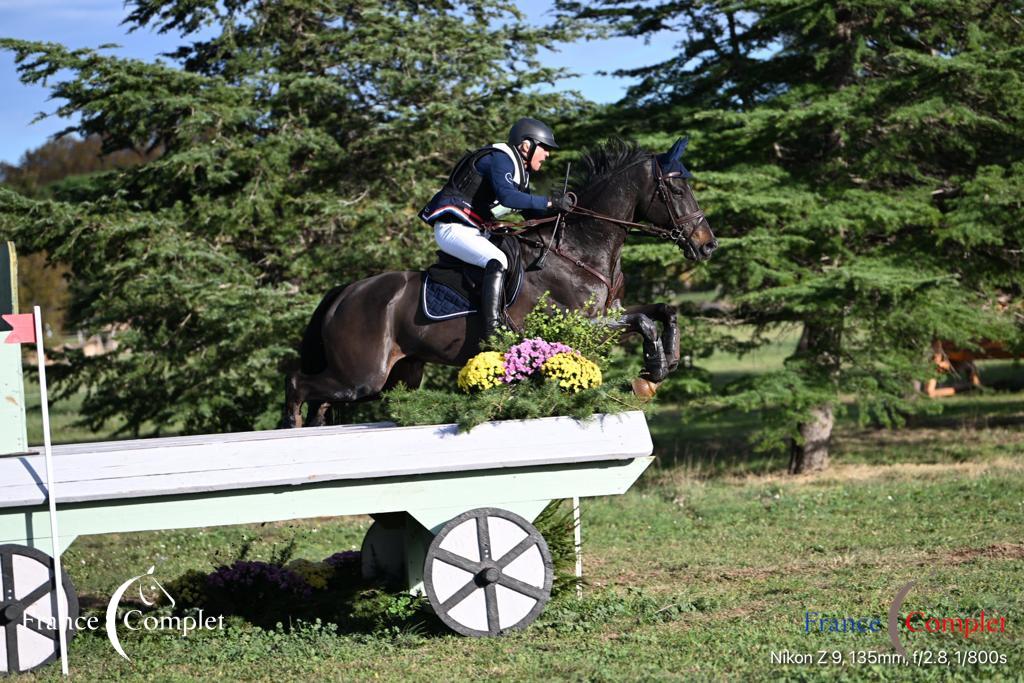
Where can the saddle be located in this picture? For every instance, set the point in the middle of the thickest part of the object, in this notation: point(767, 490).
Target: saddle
point(451, 288)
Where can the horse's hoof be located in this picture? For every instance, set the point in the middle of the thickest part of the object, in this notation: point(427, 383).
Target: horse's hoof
point(643, 388)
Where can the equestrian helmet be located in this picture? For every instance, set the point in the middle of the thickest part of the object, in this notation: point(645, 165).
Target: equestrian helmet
point(531, 129)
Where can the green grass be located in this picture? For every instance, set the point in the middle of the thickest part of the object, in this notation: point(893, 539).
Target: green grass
point(699, 572)
point(64, 416)
point(687, 579)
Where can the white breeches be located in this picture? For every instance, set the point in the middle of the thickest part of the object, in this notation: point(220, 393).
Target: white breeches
point(468, 244)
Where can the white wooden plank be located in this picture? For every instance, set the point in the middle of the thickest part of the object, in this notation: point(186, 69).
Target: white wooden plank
point(200, 439)
point(432, 499)
point(115, 470)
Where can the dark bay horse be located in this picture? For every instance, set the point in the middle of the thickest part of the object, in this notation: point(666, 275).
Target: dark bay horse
point(367, 336)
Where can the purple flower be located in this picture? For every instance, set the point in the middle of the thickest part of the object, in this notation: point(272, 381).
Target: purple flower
point(255, 574)
point(345, 558)
point(525, 358)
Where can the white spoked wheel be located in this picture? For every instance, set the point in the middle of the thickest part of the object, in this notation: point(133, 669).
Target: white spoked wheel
point(28, 609)
point(488, 571)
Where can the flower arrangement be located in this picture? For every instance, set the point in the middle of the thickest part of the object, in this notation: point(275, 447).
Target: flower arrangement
point(534, 357)
point(526, 357)
point(572, 371)
point(561, 363)
point(346, 561)
point(189, 589)
point(483, 371)
point(315, 574)
point(259, 577)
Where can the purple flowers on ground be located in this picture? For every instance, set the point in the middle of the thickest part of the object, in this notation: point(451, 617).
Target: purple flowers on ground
point(255, 574)
point(344, 558)
point(526, 357)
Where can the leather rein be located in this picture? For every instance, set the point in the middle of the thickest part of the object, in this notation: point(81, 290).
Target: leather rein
point(677, 233)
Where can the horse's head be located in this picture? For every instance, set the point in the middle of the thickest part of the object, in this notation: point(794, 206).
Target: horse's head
point(672, 208)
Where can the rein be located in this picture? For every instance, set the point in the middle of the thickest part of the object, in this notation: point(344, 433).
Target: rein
point(677, 233)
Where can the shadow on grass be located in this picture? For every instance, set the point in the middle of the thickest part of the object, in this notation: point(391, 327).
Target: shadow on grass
point(283, 592)
point(353, 608)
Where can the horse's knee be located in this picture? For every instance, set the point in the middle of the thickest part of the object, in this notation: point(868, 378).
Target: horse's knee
point(647, 327)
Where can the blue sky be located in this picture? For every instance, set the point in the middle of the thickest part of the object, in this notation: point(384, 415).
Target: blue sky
point(90, 23)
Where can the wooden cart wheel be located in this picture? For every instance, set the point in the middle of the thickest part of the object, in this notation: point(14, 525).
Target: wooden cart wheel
point(28, 609)
point(488, 571)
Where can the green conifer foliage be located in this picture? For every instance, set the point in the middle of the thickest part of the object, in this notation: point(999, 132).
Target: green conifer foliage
point(862, 164)
point(297, 145)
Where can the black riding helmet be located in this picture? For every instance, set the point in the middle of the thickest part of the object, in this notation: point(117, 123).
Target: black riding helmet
point(531, 129)
point(534, 131)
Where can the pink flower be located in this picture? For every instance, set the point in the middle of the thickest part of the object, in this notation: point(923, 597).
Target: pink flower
point(526, 357)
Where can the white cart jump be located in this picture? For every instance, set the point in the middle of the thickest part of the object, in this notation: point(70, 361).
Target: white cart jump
point(452, 510)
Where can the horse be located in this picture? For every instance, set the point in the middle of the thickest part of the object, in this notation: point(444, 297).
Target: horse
point(366, 337)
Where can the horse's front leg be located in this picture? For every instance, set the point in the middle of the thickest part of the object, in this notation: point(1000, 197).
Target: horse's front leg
point(666, 315)
point(656, 365)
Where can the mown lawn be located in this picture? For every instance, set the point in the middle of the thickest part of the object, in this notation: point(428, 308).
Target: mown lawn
point(702, 571)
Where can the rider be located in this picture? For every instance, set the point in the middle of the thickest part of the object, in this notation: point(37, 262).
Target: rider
point(485, 185)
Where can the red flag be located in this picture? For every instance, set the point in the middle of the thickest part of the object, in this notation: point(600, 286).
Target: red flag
point(24, 331)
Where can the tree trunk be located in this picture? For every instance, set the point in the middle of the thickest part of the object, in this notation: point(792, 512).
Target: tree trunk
point(819, 348)
point(816, 433)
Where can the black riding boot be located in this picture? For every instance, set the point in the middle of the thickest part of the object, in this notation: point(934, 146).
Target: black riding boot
point(492, 297)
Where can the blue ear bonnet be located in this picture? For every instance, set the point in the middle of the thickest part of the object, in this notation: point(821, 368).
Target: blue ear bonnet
point(671, 161)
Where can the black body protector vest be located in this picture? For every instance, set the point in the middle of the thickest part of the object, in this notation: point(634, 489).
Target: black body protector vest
point(467, 184)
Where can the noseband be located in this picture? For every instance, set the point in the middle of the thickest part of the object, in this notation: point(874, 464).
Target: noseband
point(678, 233)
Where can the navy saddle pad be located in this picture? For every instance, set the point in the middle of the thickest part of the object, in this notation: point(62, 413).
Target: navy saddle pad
point(451, 288)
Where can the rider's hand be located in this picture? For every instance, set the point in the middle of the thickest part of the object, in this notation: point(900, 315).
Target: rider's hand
point(562, 201)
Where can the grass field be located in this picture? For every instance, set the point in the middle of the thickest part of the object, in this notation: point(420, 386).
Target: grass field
point(702, 571)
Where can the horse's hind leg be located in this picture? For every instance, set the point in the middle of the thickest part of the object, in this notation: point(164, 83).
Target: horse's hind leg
point(292, 415)
point(408, 371)
point(299, 389)
point(316, 413)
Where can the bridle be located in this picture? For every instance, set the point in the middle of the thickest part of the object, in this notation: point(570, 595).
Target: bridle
point(679, 233)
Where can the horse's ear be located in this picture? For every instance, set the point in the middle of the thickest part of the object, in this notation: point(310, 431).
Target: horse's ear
point(670, 160)
point(676, 153)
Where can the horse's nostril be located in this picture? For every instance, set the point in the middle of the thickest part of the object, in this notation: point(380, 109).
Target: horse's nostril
point(710, 247)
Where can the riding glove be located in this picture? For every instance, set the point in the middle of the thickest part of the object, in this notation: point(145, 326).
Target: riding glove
point(563, 201)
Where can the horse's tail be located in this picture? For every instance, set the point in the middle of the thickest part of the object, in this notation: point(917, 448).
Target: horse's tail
point(312, 353)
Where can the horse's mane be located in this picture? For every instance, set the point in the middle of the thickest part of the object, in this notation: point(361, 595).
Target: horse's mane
point(608, 157)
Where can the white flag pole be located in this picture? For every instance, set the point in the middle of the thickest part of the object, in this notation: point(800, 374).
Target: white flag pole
point(51, 493)
point(578, 545)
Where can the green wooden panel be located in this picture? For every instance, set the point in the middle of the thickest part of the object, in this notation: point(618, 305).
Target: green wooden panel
point(13, 438)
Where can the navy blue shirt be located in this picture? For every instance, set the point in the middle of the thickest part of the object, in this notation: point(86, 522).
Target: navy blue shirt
point(498, 169)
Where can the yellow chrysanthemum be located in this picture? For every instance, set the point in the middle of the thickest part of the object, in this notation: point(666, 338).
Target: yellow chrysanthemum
point(189, 589)
point(315, 574)
point(482, 371)
point(572, 372)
